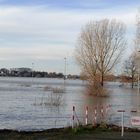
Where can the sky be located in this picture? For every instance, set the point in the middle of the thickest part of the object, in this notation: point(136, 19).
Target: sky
point(39, 34)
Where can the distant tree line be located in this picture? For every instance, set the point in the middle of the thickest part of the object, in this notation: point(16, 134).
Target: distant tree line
point(27, 72)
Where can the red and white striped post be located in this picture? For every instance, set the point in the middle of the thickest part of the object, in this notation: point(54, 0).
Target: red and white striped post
point(95, 116)
point(73, 117)
point(86, 119)
point(102, 112)
point(107, 107)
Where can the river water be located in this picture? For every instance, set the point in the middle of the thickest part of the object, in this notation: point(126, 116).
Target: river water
point(26, 103)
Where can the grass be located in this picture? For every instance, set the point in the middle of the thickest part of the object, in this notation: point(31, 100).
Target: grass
point(100, 132)
point(97, 90)
point(58, 90)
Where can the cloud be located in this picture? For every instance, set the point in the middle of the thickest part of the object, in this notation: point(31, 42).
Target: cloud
point(35, 52)
point(39, 22)
point(43, 33)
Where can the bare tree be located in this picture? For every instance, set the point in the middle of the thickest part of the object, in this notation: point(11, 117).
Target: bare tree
point(130, 68)
point(99, 47)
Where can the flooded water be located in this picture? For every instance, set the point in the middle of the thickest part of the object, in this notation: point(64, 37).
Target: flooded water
point(29, 103)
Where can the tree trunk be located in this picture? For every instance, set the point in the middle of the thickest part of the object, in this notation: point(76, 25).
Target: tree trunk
point(102, 79)
point(132, 82)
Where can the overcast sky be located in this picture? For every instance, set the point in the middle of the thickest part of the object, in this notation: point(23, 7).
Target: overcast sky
point(43, 32)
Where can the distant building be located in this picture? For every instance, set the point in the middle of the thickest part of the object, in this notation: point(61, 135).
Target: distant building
point(4, 72)
point(20, 72)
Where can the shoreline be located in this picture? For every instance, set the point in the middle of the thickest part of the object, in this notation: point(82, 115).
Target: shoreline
point(89, 132)
point(102, 127)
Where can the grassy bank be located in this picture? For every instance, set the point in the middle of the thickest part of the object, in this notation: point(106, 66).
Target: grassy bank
point(100, 132)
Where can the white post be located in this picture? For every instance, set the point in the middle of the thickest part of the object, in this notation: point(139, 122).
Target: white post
point(122, 121)
point(86, 120)
point(122, 133)
point(65, 59)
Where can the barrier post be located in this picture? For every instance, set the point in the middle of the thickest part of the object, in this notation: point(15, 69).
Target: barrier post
point(122, 124)
point(86, 119)
point(122, 121)
point(95, 116)
point(106, 112)
point(73, 117)
point(101, 113)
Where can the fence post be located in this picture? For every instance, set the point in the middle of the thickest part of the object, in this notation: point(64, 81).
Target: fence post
point(73, 117)
point(86, 119)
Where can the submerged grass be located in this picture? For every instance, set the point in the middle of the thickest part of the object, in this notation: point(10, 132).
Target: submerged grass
point(97, 90)
point(52, 97)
